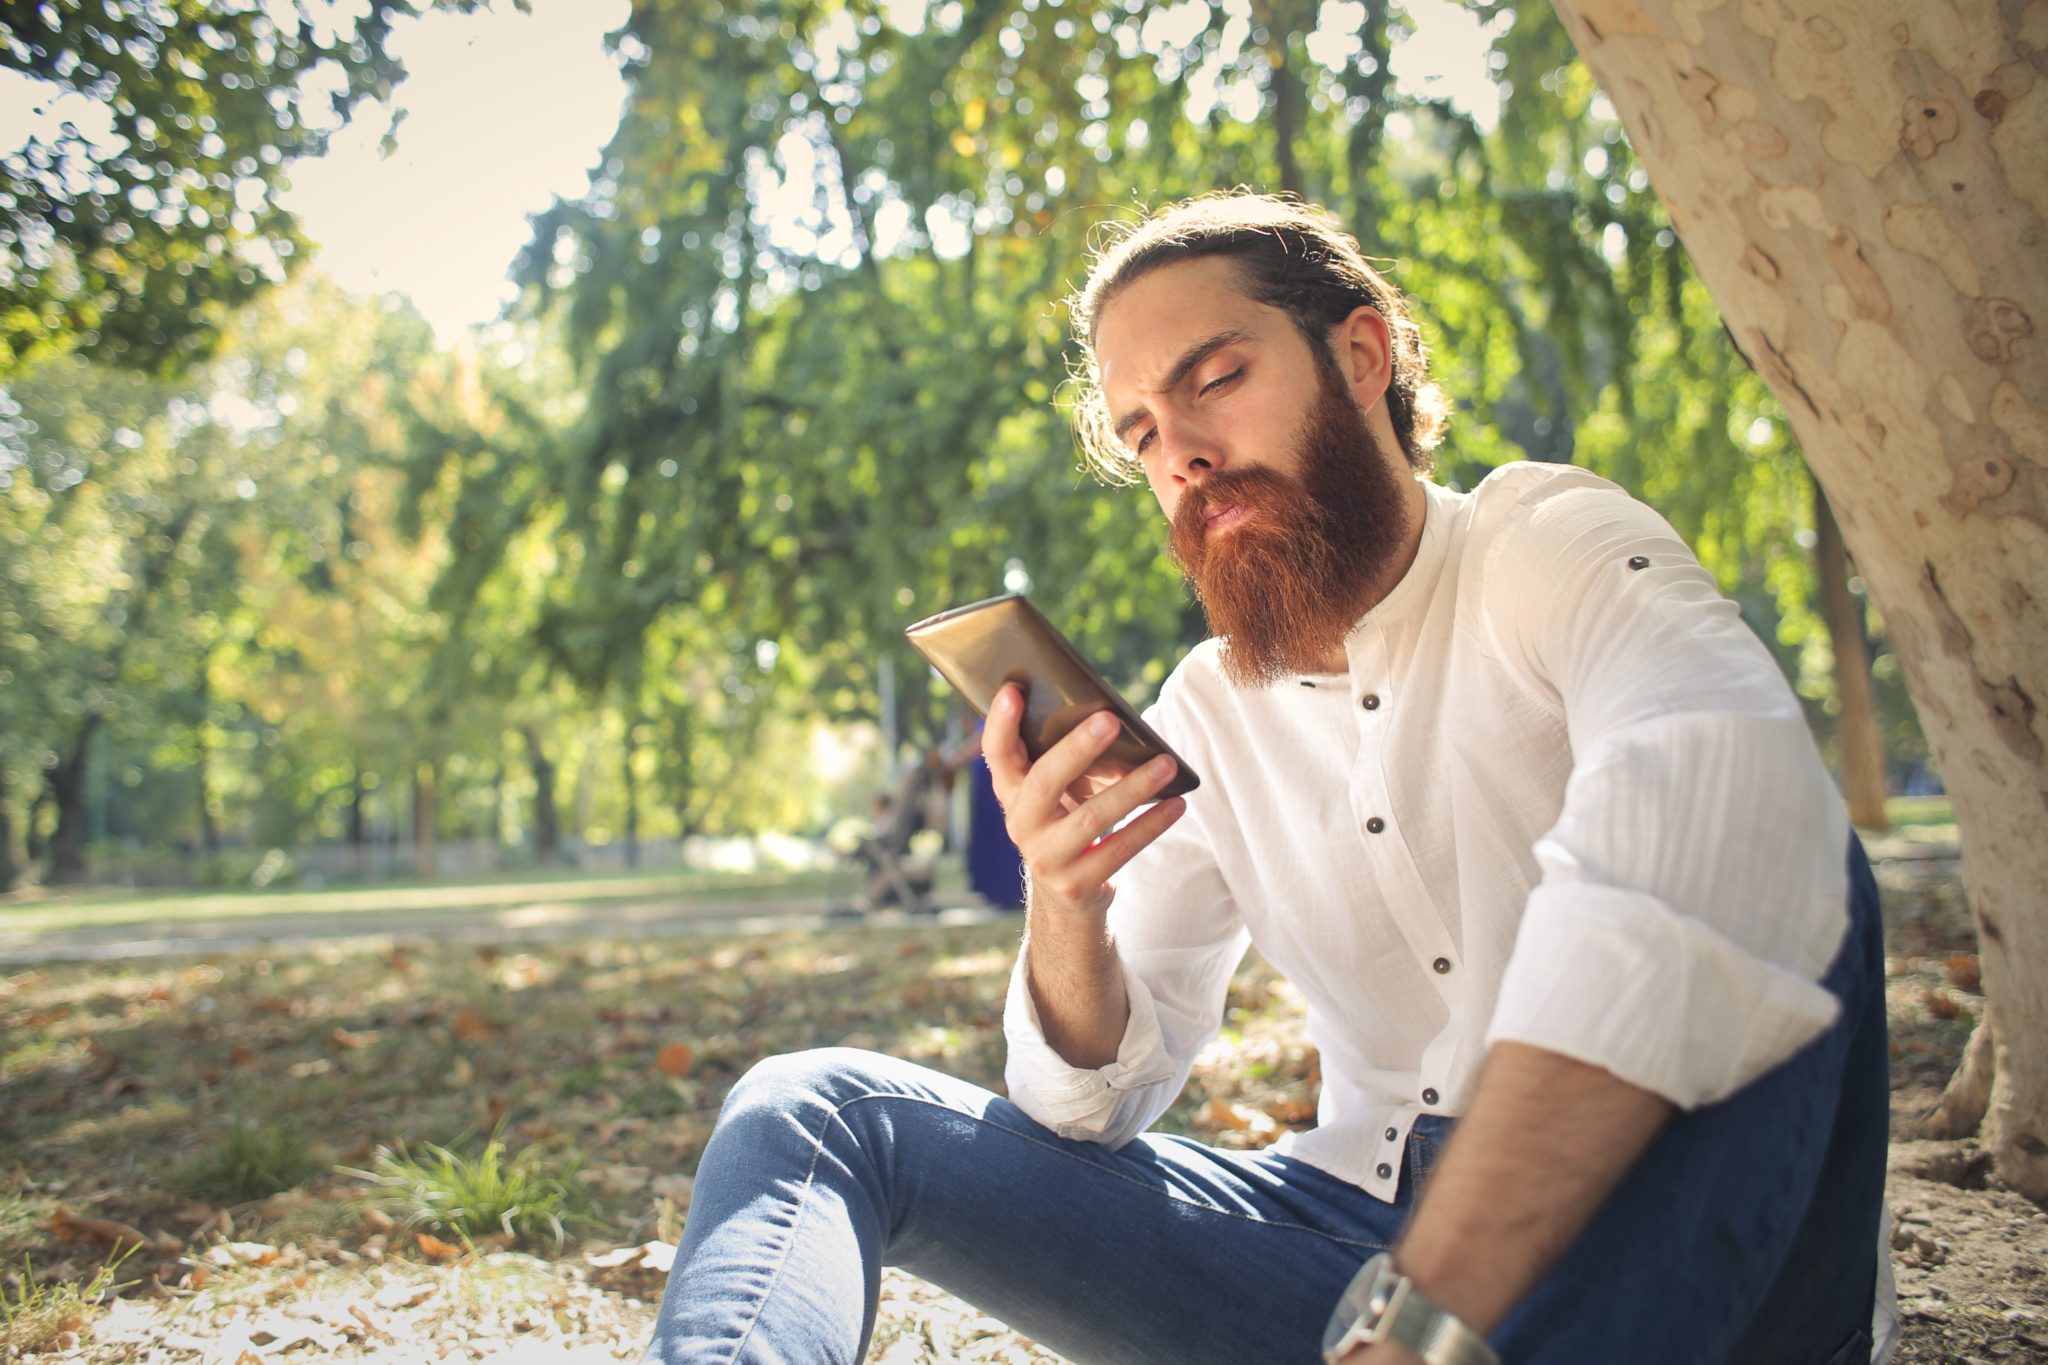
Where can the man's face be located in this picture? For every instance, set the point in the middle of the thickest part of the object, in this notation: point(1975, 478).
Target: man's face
point(1287, 516)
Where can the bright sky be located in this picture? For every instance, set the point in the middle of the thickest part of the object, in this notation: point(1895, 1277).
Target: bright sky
point(508, 110)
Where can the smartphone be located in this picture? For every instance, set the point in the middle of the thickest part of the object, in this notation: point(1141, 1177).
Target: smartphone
point(983, 645)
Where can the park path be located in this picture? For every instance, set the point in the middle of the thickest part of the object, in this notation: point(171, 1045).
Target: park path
point(537, 921)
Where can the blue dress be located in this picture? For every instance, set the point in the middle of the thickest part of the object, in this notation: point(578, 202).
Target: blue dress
point(994, 869)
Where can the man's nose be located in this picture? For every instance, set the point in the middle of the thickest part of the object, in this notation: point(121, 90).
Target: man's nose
point(1189, 451)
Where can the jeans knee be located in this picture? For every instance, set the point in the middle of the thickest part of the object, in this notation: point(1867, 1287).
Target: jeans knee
point(797, 1083)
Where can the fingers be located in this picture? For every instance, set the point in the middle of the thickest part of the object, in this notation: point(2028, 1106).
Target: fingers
point(1064, 808)
point(1084, 881)
point(1002, 745)
point(1062, 767)
point(1020, 780)
point(1084, 825)
point(1073, 855)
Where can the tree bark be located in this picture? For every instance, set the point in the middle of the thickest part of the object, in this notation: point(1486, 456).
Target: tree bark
point(358, 824)
point(1968, 1093)
point(547, 834)
point(67, 788)
point(632, 781)
point(10, 870)
point(209, 832)
point(1865, 197)
point(1859, 741)
point(1287, 102)
point(426, 817)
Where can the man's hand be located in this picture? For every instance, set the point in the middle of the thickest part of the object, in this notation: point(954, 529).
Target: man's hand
point(1544, 1141)
point(1062, 813)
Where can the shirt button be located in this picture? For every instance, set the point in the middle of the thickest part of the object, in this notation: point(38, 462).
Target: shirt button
point(1442, 965)
point(1429, 1097)
point(1375, 825)
point(1383, 1170)
point(1371, 701)
point(1393, 1133)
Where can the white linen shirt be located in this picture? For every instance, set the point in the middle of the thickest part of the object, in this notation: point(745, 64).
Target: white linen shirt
point(1562, 796)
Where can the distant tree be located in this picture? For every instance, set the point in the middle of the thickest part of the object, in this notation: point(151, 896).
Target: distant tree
point(134, 242)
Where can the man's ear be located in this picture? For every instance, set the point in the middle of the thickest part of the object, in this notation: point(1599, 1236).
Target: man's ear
point(1364, 352)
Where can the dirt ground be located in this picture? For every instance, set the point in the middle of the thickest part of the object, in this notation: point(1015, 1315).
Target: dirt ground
point(119, 1087)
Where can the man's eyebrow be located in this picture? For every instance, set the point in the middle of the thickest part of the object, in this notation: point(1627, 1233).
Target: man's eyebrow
point(1193, 356)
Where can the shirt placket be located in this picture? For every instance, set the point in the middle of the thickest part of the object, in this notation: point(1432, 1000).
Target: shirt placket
point(1376, 703)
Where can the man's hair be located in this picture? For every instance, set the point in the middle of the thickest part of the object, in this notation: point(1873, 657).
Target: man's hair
point(1288, 255)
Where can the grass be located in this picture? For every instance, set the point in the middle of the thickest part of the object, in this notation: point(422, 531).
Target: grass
point(248, 1162)
point(41, 911)
point(481, 1195)
point(1911, 812)
point(35, 1318)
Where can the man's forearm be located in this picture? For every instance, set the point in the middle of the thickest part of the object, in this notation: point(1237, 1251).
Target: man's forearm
point(1076, 981)
point(1543, 1143)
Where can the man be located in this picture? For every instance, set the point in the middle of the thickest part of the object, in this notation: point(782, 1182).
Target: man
point(1502, 785)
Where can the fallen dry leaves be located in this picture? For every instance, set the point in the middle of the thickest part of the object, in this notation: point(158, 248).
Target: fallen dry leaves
point(621, 1052)
point(108, 1234)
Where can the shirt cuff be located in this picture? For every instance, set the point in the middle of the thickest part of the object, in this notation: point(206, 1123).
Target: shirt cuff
point(1080, 1102)
point(1618, 979)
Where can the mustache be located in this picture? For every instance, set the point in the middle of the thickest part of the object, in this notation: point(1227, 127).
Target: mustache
point(1251, 489)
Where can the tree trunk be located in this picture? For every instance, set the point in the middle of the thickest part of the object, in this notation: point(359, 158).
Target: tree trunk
point(1859, 742)
point(497, 810)
point(358, 824)
point(10, 870)
point(34, 842)
point(425, 817)
point(1865, 198)
point(1968, 1093)
point(67, 788)
point(1368, 80)
point(632, 780)
point(209, 833)
point(1287, 104)
point(547, 835)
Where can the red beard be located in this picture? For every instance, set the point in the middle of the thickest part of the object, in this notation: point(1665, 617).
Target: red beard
point(1284, 585)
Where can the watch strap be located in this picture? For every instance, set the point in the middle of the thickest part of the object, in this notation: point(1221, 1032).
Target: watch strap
point(1382, 1304)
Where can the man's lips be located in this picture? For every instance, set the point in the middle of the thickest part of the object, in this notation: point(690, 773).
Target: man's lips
point(1222, 515)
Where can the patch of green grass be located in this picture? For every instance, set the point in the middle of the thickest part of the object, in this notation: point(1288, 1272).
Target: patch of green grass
point(248, 1162)
point(34, 1053)
point(44, 910)
point(480, 1195)
point(1915, 811)
point(39, 1317)
point(659, 1098)
point(19, 1219)
point(587, 1079)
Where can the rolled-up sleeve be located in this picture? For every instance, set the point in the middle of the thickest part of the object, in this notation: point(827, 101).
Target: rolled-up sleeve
point(1692, 888)
point(1178, 938)
point(1109, 1104)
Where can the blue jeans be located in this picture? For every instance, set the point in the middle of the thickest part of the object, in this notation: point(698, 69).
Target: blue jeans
point(1746, 1234)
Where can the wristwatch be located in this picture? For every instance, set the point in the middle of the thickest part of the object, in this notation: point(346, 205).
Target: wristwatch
point(1381, 1305)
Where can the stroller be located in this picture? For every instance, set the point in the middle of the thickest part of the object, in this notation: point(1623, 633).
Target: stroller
point(892, 875)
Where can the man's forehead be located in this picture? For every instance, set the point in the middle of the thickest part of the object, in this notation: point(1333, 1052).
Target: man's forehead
point(1143, 332)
